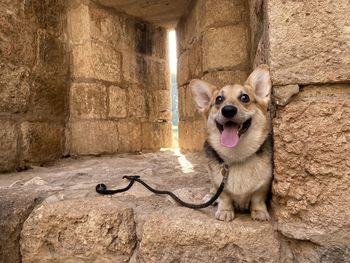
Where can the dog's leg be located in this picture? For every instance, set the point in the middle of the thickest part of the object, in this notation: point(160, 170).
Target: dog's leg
point(225, 208)
point(258, 210)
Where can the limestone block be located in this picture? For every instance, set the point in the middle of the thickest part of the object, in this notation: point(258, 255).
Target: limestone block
point(311, 166)
point(222, 78)
point(88, 101)
point(225, 47)
point(94, 60)
point(283, 94)
point(129, 134)
point(15, 206)
point(117, 102)
point(96, 229)
point(156, 135)
point(48, 98)
point(159, 103)
point(188, 109)
point(191, 135)
point(8, 145)
point(78, 22)
point(183, 69)
point(224, 11)
point(137, 102)
point(309, 42)
point(153, 74)
point(94, 137)
point(42, 141)
point(181, 234)
point(14, 88)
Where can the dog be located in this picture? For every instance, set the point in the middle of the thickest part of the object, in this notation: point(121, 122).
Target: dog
point(238, 135)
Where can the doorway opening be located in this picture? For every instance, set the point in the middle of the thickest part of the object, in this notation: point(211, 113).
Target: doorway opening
point(174, 95)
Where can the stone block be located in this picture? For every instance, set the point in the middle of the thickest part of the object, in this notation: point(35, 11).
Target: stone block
point(222, 78)
point(8, 145)
point(181, 234)
point(188, 109)
point(311, 171)
point(137, 102)
point(96, 229)
point(42, 141)
point(14, 88)
point(159, 104)
point(156, 135)
point(130, 136)
point(191, 135)
point(88, 101)
point(282, 95)
point(152, 74)
point(225, 47)
point(94, 137)
point(97, 61)
point(183, 69)
point(309, 43)
point(117, 102)
point(78, 22)
point(16, 205)
point(48, 98)
point(224, 12)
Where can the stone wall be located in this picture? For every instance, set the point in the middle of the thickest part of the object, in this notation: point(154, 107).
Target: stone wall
point(33, 82)
point(119, 98)
point(213, 45)
point(309, 58)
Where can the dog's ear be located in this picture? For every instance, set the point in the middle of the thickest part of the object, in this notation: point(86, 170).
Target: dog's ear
point(260, 81)
point(202, 92)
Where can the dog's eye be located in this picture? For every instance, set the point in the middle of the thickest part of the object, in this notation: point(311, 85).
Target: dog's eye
point(219, 100)
point(244, 98)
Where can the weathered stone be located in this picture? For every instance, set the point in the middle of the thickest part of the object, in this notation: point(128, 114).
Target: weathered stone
point(181, 234)
point(187, 106)
point(97, 61)
point(183, 70)
point(222, 50)
point(283, 94)
point(94, 137)
point(8, 145)
point(159, 103)
point(137, 102)
point(88, 101)
point(42, 141)
point(78, 22)
point(84, 230)
point(15, 207)
point(130, 137)
point(310, 193)
point(156, 135)
point(309, 43)
point(117, 102)
point(191, 135)
point(153, 74)
point(48, 98)
point(222, 78)
point(14, 88)
point(223, 12)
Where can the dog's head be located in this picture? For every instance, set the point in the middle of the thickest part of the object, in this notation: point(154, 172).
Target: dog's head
point(237, 115)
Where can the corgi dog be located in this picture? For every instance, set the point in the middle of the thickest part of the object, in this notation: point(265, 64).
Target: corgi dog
point(237, 125)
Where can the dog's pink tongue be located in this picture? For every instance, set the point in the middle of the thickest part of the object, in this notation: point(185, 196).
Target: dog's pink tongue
point(229, 136)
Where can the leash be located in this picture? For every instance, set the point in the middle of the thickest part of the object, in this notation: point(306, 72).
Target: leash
point(102, 189)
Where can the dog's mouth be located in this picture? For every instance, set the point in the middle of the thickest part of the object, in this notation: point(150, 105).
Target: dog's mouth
point(230, 132)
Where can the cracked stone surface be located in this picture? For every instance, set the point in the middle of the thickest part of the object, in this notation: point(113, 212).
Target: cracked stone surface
point(62, 219)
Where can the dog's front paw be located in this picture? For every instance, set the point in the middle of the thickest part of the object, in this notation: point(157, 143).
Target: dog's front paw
point(225, 215)
point(260, 215)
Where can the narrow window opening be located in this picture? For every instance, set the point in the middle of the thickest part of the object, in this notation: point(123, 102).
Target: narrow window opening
point(174, 95)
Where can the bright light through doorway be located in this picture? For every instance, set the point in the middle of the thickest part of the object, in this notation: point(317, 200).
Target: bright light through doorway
point(174, 97)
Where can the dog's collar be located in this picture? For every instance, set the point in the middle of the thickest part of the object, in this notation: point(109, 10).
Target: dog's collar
point(211, 153)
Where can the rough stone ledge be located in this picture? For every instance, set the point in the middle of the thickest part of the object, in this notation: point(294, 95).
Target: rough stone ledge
point(75, 224)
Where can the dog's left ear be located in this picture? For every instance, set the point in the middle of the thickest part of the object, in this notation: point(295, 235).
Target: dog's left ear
point(260, 81)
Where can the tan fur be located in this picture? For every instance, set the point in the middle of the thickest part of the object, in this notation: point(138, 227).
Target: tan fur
point(250, 171)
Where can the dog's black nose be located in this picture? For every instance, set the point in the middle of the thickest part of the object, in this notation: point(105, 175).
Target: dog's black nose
point(229, 111)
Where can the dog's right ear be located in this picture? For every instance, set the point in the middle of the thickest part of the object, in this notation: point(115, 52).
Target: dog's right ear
point(202, 92)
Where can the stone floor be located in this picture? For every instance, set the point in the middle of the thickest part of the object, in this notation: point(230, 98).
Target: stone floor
point(53, 214)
